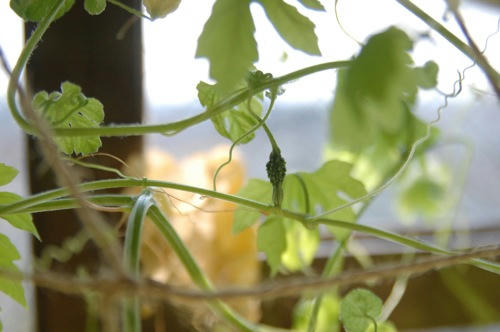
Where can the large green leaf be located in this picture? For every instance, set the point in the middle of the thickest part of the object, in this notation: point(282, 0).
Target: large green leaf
point(358, 309)
point(235, 122)
point(36, 10)
point(374, 95)
point(271, 240)
point(257, 190)
point(22, 221)
point(71, 109)
point(304, 193)
point(296, 29)
point(227, 41)
point(8, 254)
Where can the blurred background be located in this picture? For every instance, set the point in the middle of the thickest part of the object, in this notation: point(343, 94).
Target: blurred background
point(466, 160)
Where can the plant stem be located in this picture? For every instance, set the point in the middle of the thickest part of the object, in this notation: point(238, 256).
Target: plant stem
point(194, 270)
point(21, 63)
point(131, 257)
point(269, 209)
point(492, 75)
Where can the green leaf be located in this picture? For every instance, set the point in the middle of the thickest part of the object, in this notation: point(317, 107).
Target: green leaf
point(235, 122)
point(423, 197)
point(358, 309)
point(382, 327)
point(36, 10)
point(257, 190)
point(312, 4)
point(22, 221)
point(8, 254)
point(271, 240)
point(161, 8)
point(7, 174)
point(71, 109)
point(427, 75)
point(228, 43)
point(19, 220)
point(327, 319)
point(296, 29)
point(95, 7)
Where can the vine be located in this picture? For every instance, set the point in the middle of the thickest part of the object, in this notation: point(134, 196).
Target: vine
point(381, 79)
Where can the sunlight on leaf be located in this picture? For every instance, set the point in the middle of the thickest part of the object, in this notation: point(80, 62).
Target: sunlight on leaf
point(71, 109)
point(235, 122)
point(95, 7)
point(312, 4)
point(296, 29)
point(258, 190)
point(271, 240)
point(328, 314)
point(161, 8)
point(36, 10)
point(8, 254)
point(22, 221)
point(227, 41)
point(358, 309)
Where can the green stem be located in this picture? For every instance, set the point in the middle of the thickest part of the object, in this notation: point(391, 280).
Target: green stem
point(195, 272)
point(303, 218)
point(131, 258)
point(454, 40)
point(129, 9)
point(21, 63)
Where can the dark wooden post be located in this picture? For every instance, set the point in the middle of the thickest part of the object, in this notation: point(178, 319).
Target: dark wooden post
point(83, 49)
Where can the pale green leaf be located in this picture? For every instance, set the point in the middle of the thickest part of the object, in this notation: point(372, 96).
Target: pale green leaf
point(257, 190)
point(228, 43)
point(95, 7)
point(235, 122)
point(427, 75)
point(161, 8)
point(71, 109)
point(271, 240)
point(36, 10)
point(312, 4)
point(8, 254)
point(327, 319)
point(424, 197)
point(358, 309)
point(296, 29)
point(7, 174)
point(302, 243)
point(22, 221)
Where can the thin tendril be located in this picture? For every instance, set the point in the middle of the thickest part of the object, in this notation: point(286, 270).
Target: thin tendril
point(252, 130)
point(342, 27)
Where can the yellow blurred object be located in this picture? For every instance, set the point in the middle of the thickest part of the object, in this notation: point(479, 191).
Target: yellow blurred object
point(204, 224)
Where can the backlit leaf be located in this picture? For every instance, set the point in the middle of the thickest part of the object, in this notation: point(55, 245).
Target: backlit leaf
point(312, 4)
point(271, 240)
point(36, 10)
point(228, 43)
point(296, 29)
point(235, 122)
point(328, 315)
point(358, 309)
point(22, 221)
point(8, 254)
point(71, 109)
point(161, 8)
point(95, 7)
point(257, 190)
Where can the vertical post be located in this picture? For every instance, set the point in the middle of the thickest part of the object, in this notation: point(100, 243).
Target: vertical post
point(83, 49)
